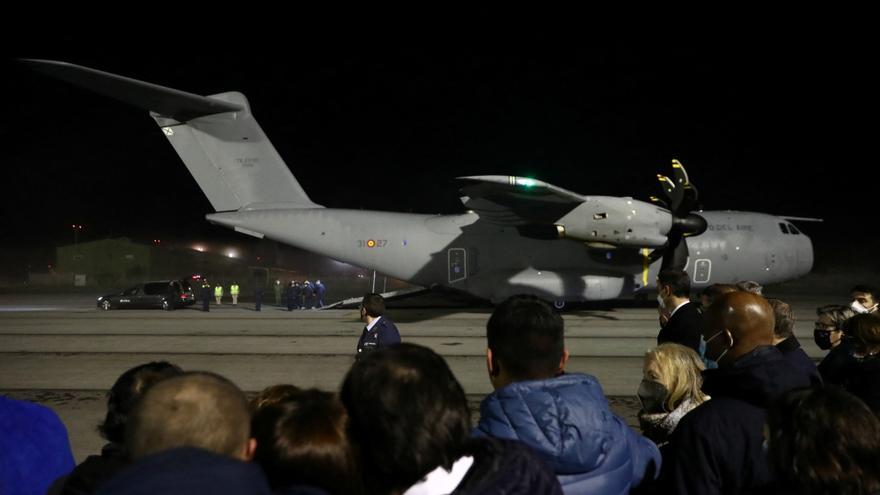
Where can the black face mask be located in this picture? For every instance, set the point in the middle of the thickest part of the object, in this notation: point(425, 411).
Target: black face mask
point(822, 338)
point(653, 396)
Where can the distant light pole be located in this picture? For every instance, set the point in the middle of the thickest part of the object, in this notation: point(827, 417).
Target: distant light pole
point(76, 228)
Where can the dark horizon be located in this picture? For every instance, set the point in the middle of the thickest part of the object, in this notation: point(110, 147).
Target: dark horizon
point(773, 128)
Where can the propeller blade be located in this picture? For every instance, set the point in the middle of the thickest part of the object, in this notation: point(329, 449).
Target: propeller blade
point(673, 193)
point(676, 254)
point(658, 201)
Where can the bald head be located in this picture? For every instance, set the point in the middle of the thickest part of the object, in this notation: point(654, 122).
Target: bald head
point(735, 324)
point(200, 410)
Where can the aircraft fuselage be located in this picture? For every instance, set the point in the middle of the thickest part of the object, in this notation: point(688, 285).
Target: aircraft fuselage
point(493, 262)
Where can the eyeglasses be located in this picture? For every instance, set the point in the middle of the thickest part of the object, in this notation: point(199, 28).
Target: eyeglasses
point(820, 326)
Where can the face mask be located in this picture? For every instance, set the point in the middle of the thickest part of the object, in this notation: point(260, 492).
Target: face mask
point(660, 301)
point(858, 308)
point(716, 359)
point(823, 339)
point(653, 396)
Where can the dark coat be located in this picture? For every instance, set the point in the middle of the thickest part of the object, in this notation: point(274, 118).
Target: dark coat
point(567, 422)
point(506, 467)
point(685, 327)
point(89, 475)
point(718, 447)
point(834, 368)
point(188, 471)
point(792, 352)
point(864, 382)
point(383, 334)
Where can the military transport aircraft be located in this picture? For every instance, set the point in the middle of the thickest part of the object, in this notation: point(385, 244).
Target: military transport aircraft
point(517, 235)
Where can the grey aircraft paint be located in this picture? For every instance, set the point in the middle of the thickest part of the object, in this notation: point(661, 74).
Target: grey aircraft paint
point(586, 248)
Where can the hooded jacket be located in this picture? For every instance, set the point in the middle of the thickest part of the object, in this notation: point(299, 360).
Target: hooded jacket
point(718, 447)
point(34, 449)
point(567, 422)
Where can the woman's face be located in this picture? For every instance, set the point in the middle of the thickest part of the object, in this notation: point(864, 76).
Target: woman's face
point(650, 370)
point(825, 323)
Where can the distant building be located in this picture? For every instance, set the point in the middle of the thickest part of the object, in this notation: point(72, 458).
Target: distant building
point(120, 261)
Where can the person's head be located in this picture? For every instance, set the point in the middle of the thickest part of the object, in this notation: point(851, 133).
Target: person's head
point(828, 332)
point(735, 324)
point(864, 298)
point(864, 331)
point(710, 293)
point(750, 286)
point(127, 391)
point(196, 409)
point(407, 415)
point(673, 286)
point(272, 395)
point(783, 326)
point(303, 441)
point(526, 341)
point(824, 440)
point(372, 306)
point(670, 375)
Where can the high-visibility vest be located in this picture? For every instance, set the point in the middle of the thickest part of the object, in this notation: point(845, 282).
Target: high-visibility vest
point(233, 289)
point(218, 290)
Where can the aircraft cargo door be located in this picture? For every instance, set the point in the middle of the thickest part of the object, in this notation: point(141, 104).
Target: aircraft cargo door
point(457, 264)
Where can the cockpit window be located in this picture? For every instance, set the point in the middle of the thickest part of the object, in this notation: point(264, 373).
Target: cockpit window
point(783, 228)
point(793, 229)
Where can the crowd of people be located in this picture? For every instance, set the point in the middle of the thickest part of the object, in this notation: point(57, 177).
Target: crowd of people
point(730, 403)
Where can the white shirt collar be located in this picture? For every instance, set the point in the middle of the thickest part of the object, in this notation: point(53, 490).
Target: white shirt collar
point(373, 323)
point(677, 308)
point(441, 481)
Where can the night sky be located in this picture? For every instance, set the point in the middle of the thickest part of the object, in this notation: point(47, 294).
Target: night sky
point(782, 126)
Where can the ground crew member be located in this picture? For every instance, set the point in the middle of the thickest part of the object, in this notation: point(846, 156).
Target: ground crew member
point(277, 292)
point(319, 292)
point(205, 295)
point(308, 293)
point(218, 293)
point(258, 298)
point(233, 290)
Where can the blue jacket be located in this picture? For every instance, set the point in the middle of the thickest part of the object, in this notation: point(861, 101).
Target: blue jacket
point(383, 334)
point(718, 447)
point(34, 449)
point(567, 421)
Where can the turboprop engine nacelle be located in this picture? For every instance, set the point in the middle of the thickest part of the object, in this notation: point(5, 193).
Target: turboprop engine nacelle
point(623, 222)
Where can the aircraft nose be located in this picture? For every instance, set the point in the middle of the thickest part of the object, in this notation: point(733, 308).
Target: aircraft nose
point(805, 257)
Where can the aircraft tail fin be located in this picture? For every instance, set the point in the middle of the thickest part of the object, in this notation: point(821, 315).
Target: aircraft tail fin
point(216, 136)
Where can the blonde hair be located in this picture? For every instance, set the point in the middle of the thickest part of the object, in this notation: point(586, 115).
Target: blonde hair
point(679, 368)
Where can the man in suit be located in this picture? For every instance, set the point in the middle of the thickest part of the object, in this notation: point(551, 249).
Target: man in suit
point(681, 320)
point(379, 330)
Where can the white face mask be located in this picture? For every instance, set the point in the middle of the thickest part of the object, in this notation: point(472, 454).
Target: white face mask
point(858, 308)
point(660, 301)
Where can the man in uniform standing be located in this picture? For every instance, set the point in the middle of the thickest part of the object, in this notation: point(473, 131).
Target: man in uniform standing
point(379, 330)
point(205, 295)
point(218, 293)
point(258, 297)
point(233, 291)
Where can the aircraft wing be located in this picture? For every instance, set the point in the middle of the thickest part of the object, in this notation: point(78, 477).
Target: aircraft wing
point(511, 200)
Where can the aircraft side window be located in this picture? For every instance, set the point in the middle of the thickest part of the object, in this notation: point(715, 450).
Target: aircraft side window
point(783, 228)
point(793, 229)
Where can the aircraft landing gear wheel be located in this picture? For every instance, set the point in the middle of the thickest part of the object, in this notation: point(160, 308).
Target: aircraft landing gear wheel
point(559, 304)
point(105, 305)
